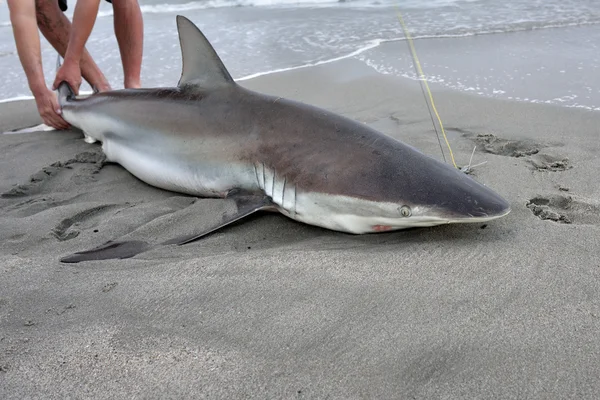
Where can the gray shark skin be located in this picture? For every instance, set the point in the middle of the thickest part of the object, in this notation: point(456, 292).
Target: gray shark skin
point(210, 137)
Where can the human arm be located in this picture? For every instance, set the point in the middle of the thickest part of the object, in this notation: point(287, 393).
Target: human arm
point(56, 28)
point(24, 24)
point(84, 19)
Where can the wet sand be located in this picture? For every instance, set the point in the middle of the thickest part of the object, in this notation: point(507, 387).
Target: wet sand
point(271, 308)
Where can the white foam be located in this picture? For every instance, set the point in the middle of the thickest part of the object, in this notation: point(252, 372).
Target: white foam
point(202, 5)
point(485, 92)
point(372, 44)
point(29, 97)
point(16, 98)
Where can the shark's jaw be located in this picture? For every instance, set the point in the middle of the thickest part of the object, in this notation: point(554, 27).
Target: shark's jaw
point(359, 216)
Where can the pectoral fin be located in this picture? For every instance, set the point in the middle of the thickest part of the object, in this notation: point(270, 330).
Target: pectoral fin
point(109, 250)
point(244, 205)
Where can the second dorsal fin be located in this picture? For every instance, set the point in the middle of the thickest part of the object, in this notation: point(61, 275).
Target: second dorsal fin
point(202, 67)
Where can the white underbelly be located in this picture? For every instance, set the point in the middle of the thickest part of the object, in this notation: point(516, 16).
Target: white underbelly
point(160, 162)
point(206, 178)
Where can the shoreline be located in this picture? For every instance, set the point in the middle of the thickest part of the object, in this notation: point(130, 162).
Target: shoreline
point(379, 44)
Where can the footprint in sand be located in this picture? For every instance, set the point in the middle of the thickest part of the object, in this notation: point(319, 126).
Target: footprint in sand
point(567, 209)
point(547, 162)
point(79, 169)
point(37, 204)
point(66, 229)
point(531, 151)
point(510, 148)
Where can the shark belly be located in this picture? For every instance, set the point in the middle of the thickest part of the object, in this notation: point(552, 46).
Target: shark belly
point(169, 172)
point(164, 161)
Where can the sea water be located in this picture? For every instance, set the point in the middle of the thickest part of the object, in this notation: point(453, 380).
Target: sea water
point(527, 50)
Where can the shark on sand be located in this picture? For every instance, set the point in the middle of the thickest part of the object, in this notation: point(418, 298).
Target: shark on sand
point(210, 137)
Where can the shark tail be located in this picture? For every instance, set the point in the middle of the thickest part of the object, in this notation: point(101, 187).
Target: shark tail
point(65, 92)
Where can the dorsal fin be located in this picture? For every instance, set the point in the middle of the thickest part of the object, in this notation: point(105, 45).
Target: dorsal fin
point(202, 67)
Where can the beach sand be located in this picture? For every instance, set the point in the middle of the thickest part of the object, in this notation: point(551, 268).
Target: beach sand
point(272, 308)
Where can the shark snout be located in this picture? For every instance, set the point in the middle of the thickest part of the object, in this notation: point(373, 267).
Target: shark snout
point(484, 204)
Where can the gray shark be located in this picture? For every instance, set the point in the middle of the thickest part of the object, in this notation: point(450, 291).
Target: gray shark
point(210, 137)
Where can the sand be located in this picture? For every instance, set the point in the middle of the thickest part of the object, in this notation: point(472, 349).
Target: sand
point(272, 308)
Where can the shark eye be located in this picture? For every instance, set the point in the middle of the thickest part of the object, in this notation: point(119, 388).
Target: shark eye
point(405, 211)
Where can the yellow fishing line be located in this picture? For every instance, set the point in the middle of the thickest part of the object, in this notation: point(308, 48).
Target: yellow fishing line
point(416, 60)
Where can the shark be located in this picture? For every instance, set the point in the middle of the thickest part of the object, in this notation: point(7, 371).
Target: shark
point(212, 138)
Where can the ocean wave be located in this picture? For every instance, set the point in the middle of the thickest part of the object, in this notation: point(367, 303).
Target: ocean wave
point(30, 97)
point(523, 26)
point(16, 98)
point(207, 4)
point(520, 26)
point(370, 45)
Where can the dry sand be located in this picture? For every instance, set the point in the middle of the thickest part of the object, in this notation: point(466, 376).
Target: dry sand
point(271, 308)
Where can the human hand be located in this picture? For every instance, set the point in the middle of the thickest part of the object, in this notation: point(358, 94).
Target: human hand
point(103, 87)
point(69, 72)
point(47, 104)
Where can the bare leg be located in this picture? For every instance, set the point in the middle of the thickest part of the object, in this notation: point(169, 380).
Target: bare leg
point(56, 27)
point(129, 30)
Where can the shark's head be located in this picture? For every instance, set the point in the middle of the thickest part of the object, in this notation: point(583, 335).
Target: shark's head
point(421, 192)
point(458, 199)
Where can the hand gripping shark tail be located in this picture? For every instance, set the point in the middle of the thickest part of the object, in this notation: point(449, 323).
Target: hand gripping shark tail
point(65, 92)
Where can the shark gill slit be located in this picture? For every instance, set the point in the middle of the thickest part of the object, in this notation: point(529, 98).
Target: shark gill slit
point(256, 174)
point(294, 200)
point(273, 184)
point(283, 191)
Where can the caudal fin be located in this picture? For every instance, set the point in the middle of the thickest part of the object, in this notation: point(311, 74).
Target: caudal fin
point(65, 93)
